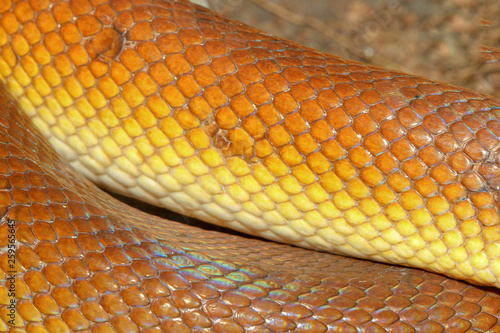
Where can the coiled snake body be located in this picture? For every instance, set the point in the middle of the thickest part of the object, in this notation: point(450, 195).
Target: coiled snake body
point(172, 103)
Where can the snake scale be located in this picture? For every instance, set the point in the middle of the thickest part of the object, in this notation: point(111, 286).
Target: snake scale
point(172, 103)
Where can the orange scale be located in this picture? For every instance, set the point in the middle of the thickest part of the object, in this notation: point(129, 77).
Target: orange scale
point(243, 57)
point(276, 83)
point(170, 43)
point(30, 32)
point(386, 163)
point(45, 22)
point(392, 130)
point(197, 55)
point(376, 144)
point(178, 64)
point(426, 187)
point(259, 94)
point(365, 125)
point(254, 127)
point(62, 12)
point(338, 118)
point(430, 156)
point(443, 174)
point(278, 136)
point(150, 52)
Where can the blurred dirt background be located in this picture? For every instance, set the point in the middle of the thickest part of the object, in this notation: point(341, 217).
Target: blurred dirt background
point(439, 39)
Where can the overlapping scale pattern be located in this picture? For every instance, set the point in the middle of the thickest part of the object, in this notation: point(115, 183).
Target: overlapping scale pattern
point(171, 103)
point(87, 263)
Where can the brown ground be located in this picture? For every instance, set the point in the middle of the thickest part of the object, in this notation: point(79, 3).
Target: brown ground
point(439, 39)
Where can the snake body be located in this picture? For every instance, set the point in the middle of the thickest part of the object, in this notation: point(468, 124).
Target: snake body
point(172, 103)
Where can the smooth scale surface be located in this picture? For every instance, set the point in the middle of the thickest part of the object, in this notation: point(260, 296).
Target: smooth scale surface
point(170, 102)
point(87, 263)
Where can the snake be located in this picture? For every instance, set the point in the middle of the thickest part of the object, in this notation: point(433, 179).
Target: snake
point(177, 105)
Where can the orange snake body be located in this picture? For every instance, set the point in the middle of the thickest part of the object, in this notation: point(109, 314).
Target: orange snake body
point(86, 262)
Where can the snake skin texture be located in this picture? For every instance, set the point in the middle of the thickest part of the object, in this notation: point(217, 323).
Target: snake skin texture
point(87, 263)
point(172, 103)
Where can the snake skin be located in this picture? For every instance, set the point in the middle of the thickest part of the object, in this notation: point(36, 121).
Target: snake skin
point(87, 263)
point(170, 102)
